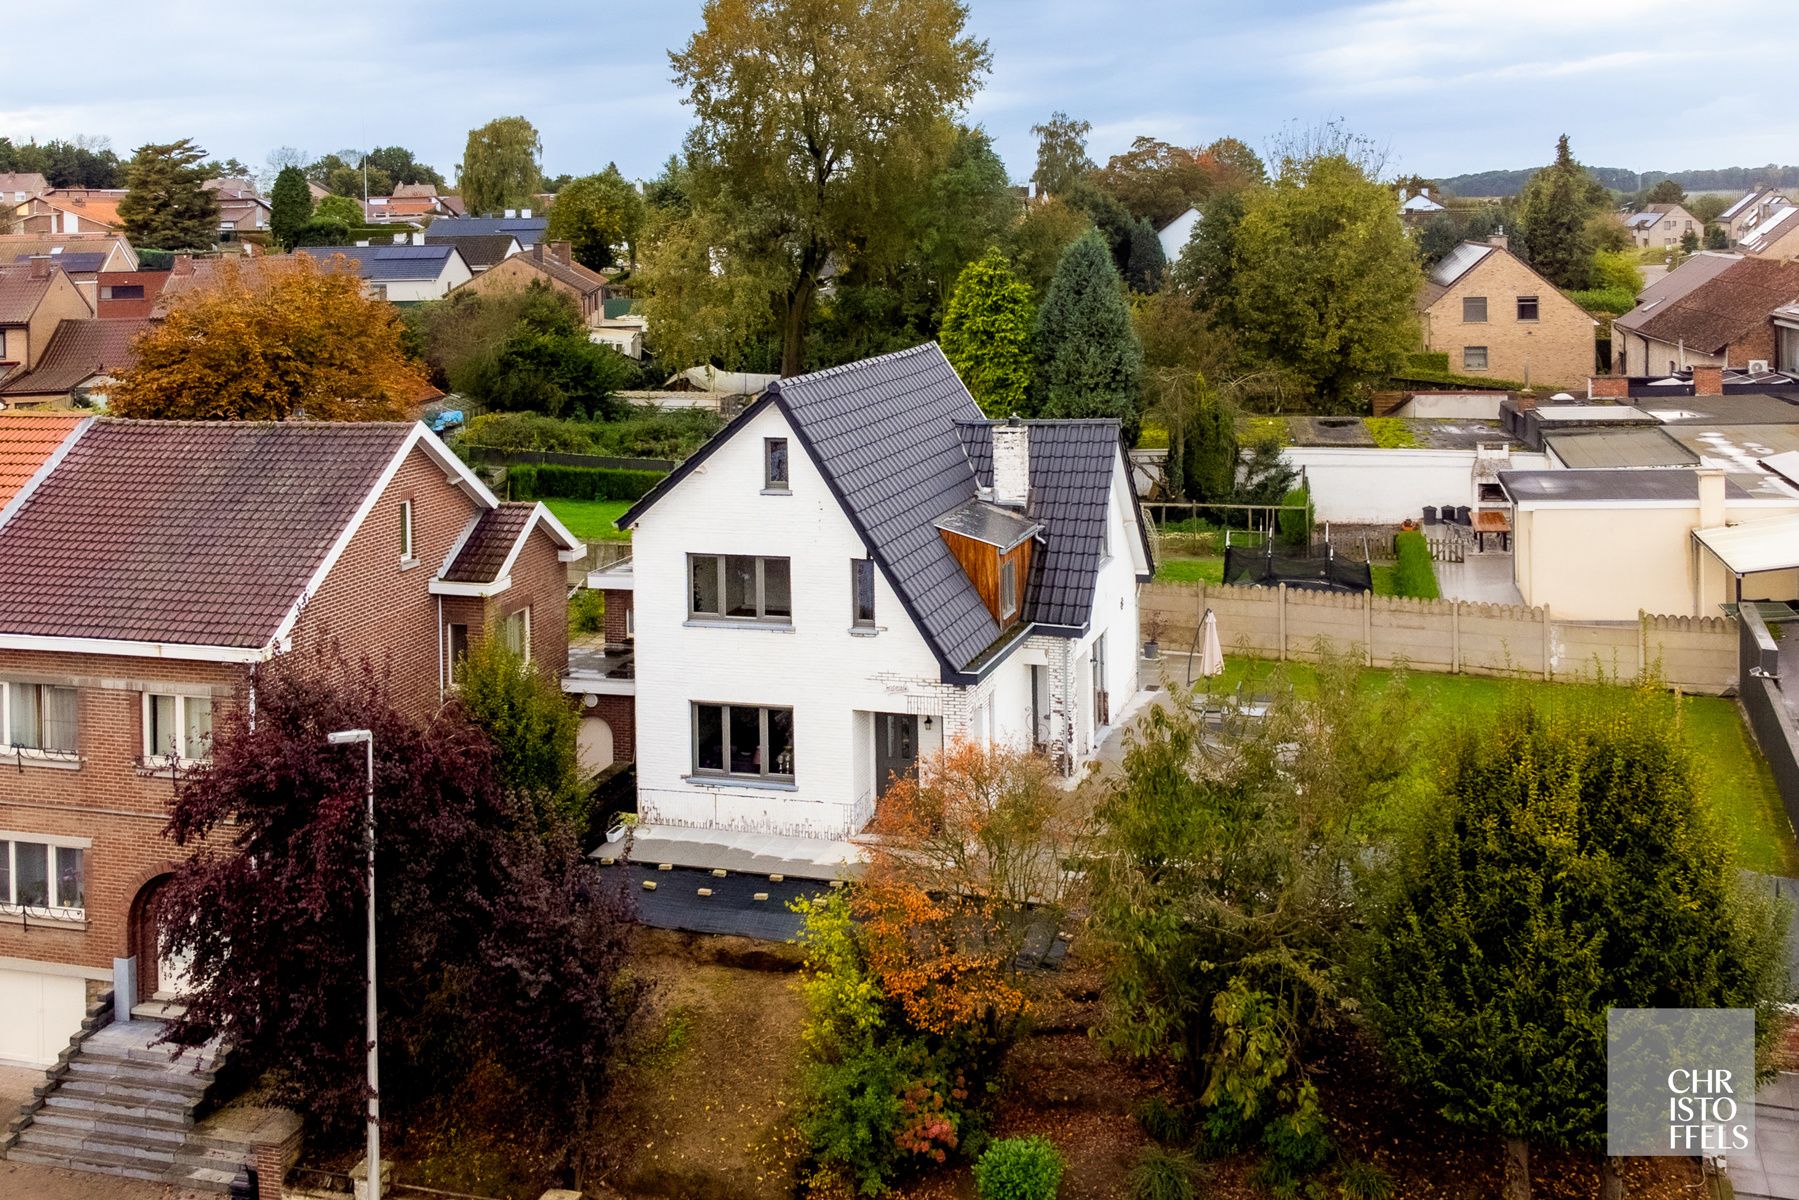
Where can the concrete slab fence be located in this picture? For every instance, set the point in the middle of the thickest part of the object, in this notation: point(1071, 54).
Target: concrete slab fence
point(1694, 654)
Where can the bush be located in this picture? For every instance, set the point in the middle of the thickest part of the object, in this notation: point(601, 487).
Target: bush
point(1613, 300)
point(1617, 269)
point(1152, 437)
point(644, 432)
point(1162, 1175)
point(322, 233)
point(1414, 576)
point(586, 611)
point(1019, 1169)
point(580, 483)
point(1365, 1181)
point(1295, 525)
point(1164, 1122)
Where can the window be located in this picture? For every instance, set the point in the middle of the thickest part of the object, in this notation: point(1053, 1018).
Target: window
point(40, 716)
point(177, 728)
point(862, 591)
point(456, 649)
point(743, 741)
point(122, 291)
point(1527, 308)
point(515, 633)
point(1008, 587)
point(740, 587)
point(774, 455)
point(1474, 310)
point(1474, 358)
point(406, 531)
point(42, 875)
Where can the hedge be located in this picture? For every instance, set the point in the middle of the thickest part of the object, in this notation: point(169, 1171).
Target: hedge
point(1414, 575)
point(579, 483)
point(1428, 360)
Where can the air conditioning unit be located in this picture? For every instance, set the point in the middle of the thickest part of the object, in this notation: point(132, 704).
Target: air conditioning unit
point(1758, 366)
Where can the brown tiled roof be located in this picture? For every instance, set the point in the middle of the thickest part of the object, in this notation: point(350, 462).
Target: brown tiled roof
point(416, 189)
point(1725, 308)
point(198, 533)
point(27, 439)
point(21, 292)
point(29, 182)
point(76, 352)
point(571, 273)
point(490, 543)
point(120, 255)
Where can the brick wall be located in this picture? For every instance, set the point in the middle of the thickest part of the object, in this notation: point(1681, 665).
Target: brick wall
point(1554, 350)
point(620, 715)
point(538, 584)
point(618, 609)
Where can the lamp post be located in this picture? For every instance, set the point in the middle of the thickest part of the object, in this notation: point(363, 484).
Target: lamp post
point(351, 737)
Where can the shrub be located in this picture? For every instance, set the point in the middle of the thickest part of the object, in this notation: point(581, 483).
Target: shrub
point(1365, 1181)
point(586, 611)
point(1428, 360)
point(1414, 575)
point(1164, 1122)
point(580, 483)
point(1152, 437)
point(1390, 433)
point(1295, 524)
point(1615, 301)
point(1617, 269)
point(1019, 1169)
point(1162, 1175)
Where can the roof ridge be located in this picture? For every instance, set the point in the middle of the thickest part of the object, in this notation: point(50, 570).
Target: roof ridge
point(859, 365)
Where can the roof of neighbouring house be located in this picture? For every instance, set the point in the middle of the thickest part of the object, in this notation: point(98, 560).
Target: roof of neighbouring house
point(528, 230)
point(479, 250)
point(75, 262)
point(901, 444)
point(984, 521)
point(21, 292)
point(415, 189)
point(573, 274)
point(1693, 271)
point(1600, 485)
point(226, 524)
point(119, 254)
point(1723, 306)
point(1741, 202)
point(389, 261)
point(29, 182)
point(1771, 229)
point(27, 440)
point(90, 204)
point(1642, 447)
point(75, 353)
point(490, 543)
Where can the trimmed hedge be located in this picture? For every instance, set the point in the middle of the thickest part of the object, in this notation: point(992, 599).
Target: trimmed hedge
point(1428, 360)
point(1414, 575)
point(579, 483)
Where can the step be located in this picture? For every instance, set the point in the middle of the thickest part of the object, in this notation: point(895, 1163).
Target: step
point(97, 1149)
point(90, 1126)
point(159, 1058)
point(112, 1091)
point(157, 1010)
point(24, 1154)
point(181, 1080)
point(95, 1109)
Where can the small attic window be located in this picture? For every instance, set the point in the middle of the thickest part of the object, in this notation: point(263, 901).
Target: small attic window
point(774, 457)
point(1008, 587)
point(406, 554)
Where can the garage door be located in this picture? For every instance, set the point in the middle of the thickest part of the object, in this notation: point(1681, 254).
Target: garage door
point(42, 1014)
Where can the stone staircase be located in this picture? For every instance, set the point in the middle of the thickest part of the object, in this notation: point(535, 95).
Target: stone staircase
point(117, 1105)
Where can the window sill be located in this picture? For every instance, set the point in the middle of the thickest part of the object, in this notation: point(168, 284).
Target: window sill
point(866, 630)
point(10, 915)
point(738, 781)
point(25, 757)
point(777, 491)
point(406, 564)
point(742, 623)
point(151, 768)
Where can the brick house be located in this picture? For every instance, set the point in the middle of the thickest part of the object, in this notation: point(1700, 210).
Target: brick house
point(1495, 316)
point(82, 359)
point(1713, 310)
point(145, 568)
point(552, 263)
point(35, 297)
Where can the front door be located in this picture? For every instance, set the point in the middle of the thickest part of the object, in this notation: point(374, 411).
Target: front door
point(896, 748)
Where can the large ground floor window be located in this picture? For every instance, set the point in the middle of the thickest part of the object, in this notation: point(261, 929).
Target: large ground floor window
point(37, 876)
point(743, 741)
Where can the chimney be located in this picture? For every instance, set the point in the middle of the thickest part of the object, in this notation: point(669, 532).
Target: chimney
point(418, 239)
point(1608, 387)
point(399, 239)
point(40, 266)
point(525, 213)
point(511, 213)
point(1711, 497)
point(1708, 381)
point(1500, 239)
point(563, 252)
point(1012, 463)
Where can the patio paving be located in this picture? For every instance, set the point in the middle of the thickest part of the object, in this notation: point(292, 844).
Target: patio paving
point(1480, 579)
point(1770, 1171)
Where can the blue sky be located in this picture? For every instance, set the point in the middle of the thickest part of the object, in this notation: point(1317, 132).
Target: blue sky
point(1448, 85)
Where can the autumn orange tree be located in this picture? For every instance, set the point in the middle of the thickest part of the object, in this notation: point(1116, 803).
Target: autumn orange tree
point(281, 339)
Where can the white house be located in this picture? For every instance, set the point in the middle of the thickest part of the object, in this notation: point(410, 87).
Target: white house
point(860, 568)
point(1175, 233)
point(403, 271)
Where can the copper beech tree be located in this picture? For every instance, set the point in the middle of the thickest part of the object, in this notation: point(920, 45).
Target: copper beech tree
point(273, 339)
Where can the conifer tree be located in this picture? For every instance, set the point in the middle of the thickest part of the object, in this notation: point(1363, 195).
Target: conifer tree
point(1089, 362)
point(1147, 262)
point(987, 335)
point(1552, 219)
point(164, 206)
point(290, 206)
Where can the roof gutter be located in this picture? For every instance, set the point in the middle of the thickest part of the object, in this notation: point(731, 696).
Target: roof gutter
point(128, 648)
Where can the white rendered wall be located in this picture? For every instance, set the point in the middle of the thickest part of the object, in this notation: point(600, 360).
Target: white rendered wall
point(1374, 486)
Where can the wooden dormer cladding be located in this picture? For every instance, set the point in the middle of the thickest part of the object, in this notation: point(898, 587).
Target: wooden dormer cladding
point(985, 539)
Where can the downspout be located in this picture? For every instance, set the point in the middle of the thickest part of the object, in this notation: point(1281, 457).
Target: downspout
point(440, 649)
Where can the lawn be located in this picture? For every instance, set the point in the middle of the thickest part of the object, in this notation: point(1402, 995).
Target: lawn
point(1732, 772)
point(591, 520)
point(1211, 570)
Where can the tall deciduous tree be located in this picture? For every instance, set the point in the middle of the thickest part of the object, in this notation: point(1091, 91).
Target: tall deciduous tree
point(1317, 276)
point(969, 206)
point(1061, 153)
point(271, 340)
point(1553, 211)
point(1089, 363)
point(290, 206)
point(987, 335)
point(1039, 240)
point(341, 210)
point(500, 166)
point(1157, 181)
point(164, 205)
point(598, 215)
point(818, 124)
point(399, 165)
point(1568, 865)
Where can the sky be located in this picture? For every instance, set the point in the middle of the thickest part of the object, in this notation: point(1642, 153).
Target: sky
point(1448, 86)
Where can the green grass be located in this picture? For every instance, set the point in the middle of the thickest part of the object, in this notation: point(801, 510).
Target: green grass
point(1732, 773)
point(591, 520)
point(1256, 429)
point(1211, 570)
point(1390, 433)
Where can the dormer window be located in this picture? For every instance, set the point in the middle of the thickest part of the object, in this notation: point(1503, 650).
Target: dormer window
point(774, 458)
point(1008, 588)
point(993, 546)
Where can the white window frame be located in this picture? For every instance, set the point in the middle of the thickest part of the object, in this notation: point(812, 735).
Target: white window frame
point(6, 744)
point(1008, 587)
point(9, 858)
point(406, 548)
point(1485, 358)
point(506, 626)
point(164, 758)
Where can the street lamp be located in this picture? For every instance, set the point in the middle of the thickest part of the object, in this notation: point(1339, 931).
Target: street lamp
point(351, 737)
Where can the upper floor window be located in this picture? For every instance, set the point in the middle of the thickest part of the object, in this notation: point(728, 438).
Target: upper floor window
point(38, 874)
point(39, 717)
point(1008, 587)
point(862, 591)
point(1527, 308)
point(515, 633)
point(740, 586)
point(122, 291)
point(1474, 358)
point(177, 728)
point(1474, 309)
point(406, 554)
point(774, 457)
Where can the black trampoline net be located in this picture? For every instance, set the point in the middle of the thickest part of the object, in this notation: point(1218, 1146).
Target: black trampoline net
point(1258, 566)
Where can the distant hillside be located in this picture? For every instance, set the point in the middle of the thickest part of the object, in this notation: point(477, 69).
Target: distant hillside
point(1722, 179)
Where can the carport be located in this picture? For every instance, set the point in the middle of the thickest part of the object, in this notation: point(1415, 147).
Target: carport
point(1757, 548)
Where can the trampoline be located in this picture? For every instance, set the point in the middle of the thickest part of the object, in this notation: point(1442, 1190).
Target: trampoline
point(1262, 566)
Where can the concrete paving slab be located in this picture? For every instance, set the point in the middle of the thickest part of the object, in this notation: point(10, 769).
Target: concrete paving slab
point(740, 853)
point(1480, 579)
